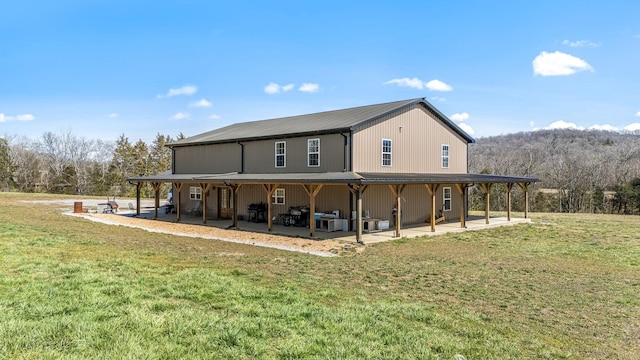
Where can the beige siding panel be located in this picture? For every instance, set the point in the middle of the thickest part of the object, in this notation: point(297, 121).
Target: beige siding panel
point(417, 138)
point(260, 155)
point(207, 159)
point(186, 204)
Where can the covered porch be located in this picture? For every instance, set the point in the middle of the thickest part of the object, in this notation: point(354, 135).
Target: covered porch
point(356, 183)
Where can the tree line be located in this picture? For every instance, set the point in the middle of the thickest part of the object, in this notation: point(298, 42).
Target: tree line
point(579, 171)
point(64, 163)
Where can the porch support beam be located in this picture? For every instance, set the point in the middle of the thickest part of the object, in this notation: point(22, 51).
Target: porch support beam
point(178, 187)
point(486, 188)
point(156, 195)
point(270, 189)
point(138, 186)
point(235, 188)
point(205, 187)
point(396, 190)
point(358, 190)
point(461, 188)
point(432, 189)
point(508, 187)
point(312, 190)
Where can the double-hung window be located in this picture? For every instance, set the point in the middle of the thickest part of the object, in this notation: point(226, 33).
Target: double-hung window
point(195, 193)
point(445, 156)
point(313, 152)
point(281, 154)
point(446, 199)
point(386, 152)
point(278, 196)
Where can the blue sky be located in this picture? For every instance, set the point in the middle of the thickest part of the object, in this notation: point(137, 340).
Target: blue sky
point(104, 68)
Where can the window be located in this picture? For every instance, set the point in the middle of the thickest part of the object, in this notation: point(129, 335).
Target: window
point(281, 154)
point(278, 197)
point(195, 193)
point(445, 156)
point(446, 199)
point(313, 152)
point(386, 152)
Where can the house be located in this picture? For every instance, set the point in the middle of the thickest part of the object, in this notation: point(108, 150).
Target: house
point(401, 162)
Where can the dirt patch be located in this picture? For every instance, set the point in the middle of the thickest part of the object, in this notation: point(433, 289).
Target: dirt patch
point(313, 247)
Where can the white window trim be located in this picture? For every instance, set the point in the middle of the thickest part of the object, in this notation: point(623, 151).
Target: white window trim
point(445, 198)
point(276, 196)
point(309, 152)
point(390, 153)
point(195, 193)
point(443, 156)
point(284, 154)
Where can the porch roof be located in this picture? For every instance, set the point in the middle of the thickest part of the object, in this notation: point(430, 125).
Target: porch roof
point(346, 177)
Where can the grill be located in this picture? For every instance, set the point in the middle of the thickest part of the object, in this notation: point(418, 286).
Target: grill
point(256, 212)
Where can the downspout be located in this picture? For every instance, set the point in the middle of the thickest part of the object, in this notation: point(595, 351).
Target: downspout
point(351, 149)
point(344, 156)
point(173, 160)
point(241, 157)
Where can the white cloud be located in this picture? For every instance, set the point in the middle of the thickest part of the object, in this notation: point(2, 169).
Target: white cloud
point(561, 124)
point(113, 115)
point(532, 124)
point(309, 88)
point(605, 127)
point(185, 90)
point(214, 117)
point(558, 63)
point(638, 114)
point(438, 98)
point(434, 85)
point(468, 129)
point(200, 103)
point(581, 43)
point(437, 85)
point(459, 116)
point(406, 82)
point(19, 117)
point(632, 127)
point(636, 36)
point(181, 116)
point(274, 88)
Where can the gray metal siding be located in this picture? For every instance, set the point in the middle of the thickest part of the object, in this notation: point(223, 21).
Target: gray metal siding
point(417, 138)
point(207, 159)
point(260, 155)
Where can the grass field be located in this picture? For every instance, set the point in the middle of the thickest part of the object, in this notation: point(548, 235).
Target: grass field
point(564, 286)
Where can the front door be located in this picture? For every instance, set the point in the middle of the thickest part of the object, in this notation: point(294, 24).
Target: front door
point(225, 209)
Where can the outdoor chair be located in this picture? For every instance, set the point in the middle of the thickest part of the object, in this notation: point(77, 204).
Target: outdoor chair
point(196, 210)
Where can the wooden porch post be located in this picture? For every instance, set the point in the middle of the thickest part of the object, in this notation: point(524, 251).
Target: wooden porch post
point(205, 187)
point(312, 190)
point(138, 186)
point(235, 189)
point(486, 188)
point(270, 189)
point(359, 215)
point(461, 188)
point(524, 186)
point(508, 186)
point(178, 188)
point(432, 188)
point(396, 190)
point(156, 194)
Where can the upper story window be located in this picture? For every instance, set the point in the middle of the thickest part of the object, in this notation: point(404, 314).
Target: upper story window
point(278, 196)
point(313, 152)
point(195, 193)
point(446, 199)
point(281, 154)
point(386, 152)
point(445, 156)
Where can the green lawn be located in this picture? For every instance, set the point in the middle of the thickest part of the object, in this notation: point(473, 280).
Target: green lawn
point(564, 286)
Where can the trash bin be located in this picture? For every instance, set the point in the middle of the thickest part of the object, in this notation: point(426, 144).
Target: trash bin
point(77, 207)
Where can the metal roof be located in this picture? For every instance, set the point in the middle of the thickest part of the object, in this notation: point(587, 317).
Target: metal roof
point(317, 123)
point(336, 177)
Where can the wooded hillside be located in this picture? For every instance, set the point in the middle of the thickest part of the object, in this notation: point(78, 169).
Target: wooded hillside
point(580, 171)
